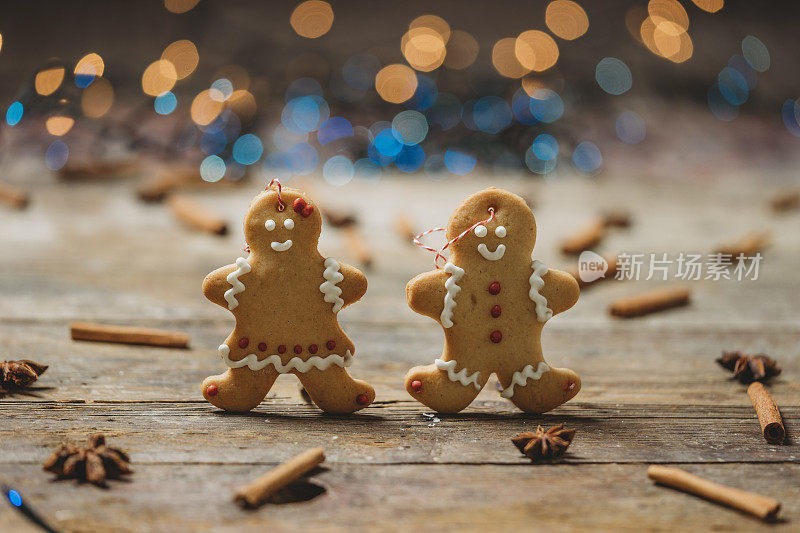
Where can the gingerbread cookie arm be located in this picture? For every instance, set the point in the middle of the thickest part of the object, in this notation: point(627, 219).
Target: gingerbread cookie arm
point(354, 284)
point(560, 290)
point(216, 284)
point(426, 293)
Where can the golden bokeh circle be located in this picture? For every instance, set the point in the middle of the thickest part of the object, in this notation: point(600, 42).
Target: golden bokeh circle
point(159, 77)
point(180, 6)
point(205, 109)
point(669, 10)
point(505, 60)
point(243, 103)
point(97, 98)
point(461, 51)
point(59, 125)
point(183, 56)
point(423, 48)
point(712, 6)
point(312, 19)
point(396, 83)
point(536, 50)
point(566, 19)
point(433, 22)
point(48, 81)
point(90, 65)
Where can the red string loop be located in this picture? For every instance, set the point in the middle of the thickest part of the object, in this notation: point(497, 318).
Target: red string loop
point(275, 181)
point(451, 241)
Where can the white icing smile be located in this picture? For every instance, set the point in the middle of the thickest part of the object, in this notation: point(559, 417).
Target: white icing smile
point(281, 246)
point(492, 256)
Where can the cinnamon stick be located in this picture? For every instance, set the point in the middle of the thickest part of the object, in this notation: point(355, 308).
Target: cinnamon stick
point(585, 238)
point(761, 506)
point(156, 189)
point(87, 331)
point(97, 169)
point(355, 241)
point(259, 490)
point(617, 219)
point(768, 414)
point(748, 245)
point(785, 201)
point(650, 302)
point(197, 216)
point(14, 196)
point(405, 229)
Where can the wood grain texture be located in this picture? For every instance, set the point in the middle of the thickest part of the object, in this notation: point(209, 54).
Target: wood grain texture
point(652, 392)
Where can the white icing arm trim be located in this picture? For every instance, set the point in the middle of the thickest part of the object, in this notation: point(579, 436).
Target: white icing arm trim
point(452, 288)
point(332, 278)
point(295, 363)
point(521, 378)
point(543, 313)
point(237, 286)
point(460, 376)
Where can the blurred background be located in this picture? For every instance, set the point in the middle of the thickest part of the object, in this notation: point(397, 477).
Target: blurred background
point(361, 90)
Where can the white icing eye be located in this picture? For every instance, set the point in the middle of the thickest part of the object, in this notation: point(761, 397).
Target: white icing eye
point(500, 231)
point(288, 223)
point(269, 224)
point(481, 231)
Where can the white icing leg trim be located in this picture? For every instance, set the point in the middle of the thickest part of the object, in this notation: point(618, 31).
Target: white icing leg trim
point(295, 363)
point(543, 313)
point(328, 288)
point(521, 378)
point(461, 375)
point(237, 286)
point(452, 288)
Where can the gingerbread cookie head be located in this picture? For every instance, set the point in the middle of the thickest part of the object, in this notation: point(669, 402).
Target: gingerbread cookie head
point(508, 237)
point(282, 225)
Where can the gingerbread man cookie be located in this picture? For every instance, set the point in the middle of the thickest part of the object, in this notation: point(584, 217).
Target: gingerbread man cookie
point(492, 300)
point(285, 297)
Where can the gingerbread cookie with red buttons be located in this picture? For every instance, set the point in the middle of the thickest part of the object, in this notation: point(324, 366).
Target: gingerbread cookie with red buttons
point(492, 299)
point(286, 297)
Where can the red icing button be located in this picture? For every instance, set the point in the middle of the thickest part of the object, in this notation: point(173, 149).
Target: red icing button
point(298, 205)
point(212, 390)
point(307, 210)
point(262, 346)
point(496, 311)
point(243, 342)
point(416, 385)
point(496, 336)
point(313, 349)
point(569, 385)
point(330, 345)
point(281, 348)
point(362, 399)
point(494, 287)
point(298, 349)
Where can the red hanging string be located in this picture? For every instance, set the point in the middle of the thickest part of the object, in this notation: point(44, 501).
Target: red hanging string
point(451, 241)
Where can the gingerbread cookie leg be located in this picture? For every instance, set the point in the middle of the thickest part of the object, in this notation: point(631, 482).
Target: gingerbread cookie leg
point(443, 386)
point(538, 388)
point(239, 389)
point(334, 391)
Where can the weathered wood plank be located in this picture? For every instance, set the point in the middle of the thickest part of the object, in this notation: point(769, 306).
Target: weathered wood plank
point(407, 498)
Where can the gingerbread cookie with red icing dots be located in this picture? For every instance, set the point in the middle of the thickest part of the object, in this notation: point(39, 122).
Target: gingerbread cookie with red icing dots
point(492, 300)
point(285, 297)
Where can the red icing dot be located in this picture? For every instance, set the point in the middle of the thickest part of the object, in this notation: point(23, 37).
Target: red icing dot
point(212, 390)
point(496, 336)
point(281, 349)
point(362, 399)
point(313, 349)
point(416, 385)
point(330, 345)
point(496, 311)
point(298, 205)
point(298, 349)
point(494, 287)
point(307, 210)
point(244, 342)
point(262, 346)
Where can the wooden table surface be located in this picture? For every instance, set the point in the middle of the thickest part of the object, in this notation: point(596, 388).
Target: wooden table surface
point(652, 392)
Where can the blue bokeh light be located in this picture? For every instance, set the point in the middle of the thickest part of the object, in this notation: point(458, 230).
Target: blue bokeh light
point(491, 114)
point(613, 76)
point(425, 94)
point(537, 165)
point(545, 147)
point(302, 159)
point(733, 86)
point(521, 107)
point(367, 170)
point(14, 497)
point(359, 71)
point(445, 112)
point(387, 144)
point(85, 78)
point(276, 165)
point(212, 169)
point(546, 105)
point(165, 103)
point(303, 87)
point(334, 128)
point(305, 114)
point(750, 75)
point(338, 170)
point(756, 53)
point(56, 155)
point(720, 106)
point(459, 162)
point(213, 142)
point(410, 127)
point(631, 127)
point(14, 113)
point(790, 113)
point(587, 157)
point(410, 159)
point(247, 149)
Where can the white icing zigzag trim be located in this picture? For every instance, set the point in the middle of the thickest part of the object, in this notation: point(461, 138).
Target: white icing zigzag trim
point(521, 378)
point(332, 278)
point(295, 363)
point(461, 375)
point(543, 313)
point(237, 286)
point(452, 288)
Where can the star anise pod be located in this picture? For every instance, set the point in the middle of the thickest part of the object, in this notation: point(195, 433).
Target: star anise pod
point(543, 444)
point(94, 462)
point(16, 375)
point(749, 368)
